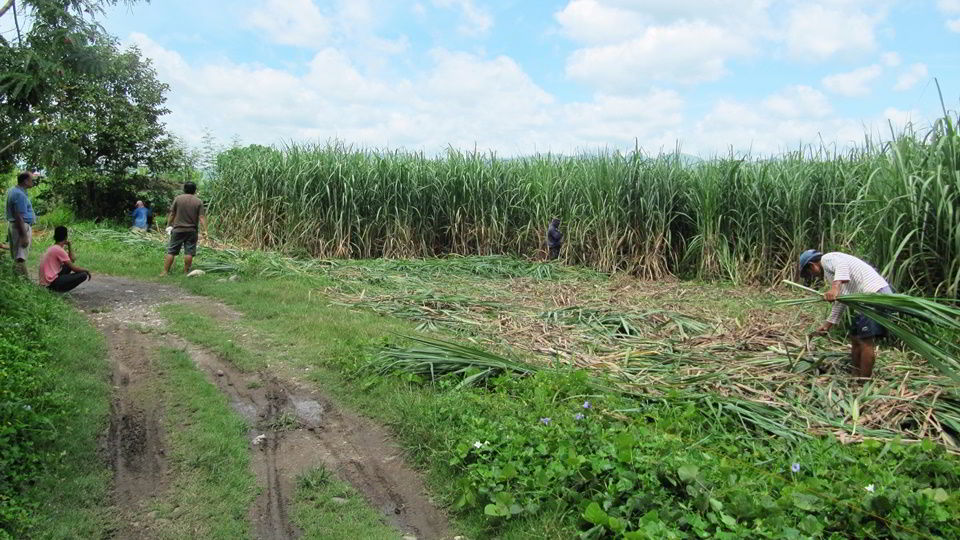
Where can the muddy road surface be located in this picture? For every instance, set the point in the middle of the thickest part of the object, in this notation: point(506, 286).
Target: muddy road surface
point(293, 427)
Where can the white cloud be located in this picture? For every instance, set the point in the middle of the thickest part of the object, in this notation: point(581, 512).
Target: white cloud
point(853, 83)
point(686, 52)
point(794, 116)
point(599, 22)
point(909, 78)
point(475, 21)
point(890, 59)
point(292, 22)
point(628, 45)
point(950, 8)
point(821, 30)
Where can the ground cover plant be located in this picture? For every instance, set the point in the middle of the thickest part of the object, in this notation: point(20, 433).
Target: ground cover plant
point(734, 218)
point(53, 405)
point(619, 415)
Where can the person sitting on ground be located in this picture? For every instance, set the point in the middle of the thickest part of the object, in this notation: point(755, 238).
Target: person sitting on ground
point(57, 271)
point(186, 217)
point(140, 214)
point(847, 274)
point(554, 239)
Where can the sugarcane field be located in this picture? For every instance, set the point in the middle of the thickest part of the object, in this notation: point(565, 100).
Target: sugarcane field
point(480, 269)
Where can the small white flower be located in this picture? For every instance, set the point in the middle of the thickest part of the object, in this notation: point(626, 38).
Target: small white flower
point(478, 444)
point(869, 488)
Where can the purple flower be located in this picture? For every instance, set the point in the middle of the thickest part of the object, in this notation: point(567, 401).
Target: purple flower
point(545, 421)
point(795, 467)
point(586, 404)
point(578, 416)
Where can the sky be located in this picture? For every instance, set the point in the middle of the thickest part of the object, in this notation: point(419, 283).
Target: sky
point(524, 76)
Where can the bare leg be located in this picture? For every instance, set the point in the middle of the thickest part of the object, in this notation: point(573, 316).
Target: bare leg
point(868, 355)
point(167, 263)
point(855, 347)
point(187, 263)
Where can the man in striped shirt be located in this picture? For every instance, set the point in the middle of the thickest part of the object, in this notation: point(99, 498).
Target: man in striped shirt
point(847, 274)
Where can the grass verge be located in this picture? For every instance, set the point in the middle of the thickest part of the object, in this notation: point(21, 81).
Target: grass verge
point(330, 509)
point(53, 385)
point(212, 487)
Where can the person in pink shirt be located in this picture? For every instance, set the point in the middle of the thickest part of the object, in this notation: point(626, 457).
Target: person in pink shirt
point(57, 271)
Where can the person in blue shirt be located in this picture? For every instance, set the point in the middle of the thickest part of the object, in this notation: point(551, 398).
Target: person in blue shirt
point(20, 219)
point(140, 214)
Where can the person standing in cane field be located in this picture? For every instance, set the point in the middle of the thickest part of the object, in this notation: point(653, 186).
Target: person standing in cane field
point(847, 274)
point(185, 221)
point(554, 239)
point(20, 218)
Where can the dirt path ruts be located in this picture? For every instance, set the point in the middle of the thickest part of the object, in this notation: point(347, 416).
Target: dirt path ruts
point(293, 428)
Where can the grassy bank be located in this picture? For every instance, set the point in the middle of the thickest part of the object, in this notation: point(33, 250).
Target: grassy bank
point(743, 220)
point(513, 456)
point(53, 406)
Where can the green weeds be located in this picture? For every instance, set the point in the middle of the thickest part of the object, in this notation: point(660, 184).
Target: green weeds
point(53, 405)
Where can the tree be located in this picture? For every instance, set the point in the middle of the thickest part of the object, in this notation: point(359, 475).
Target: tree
point(89, 113)
point(54, 41)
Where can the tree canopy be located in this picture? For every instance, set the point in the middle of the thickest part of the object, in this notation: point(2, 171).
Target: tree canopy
point(77, 105)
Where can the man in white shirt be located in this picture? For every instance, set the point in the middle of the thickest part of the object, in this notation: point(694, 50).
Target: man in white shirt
point(847, 274)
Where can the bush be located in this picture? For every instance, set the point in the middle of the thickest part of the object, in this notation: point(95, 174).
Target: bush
point(675, 472)
point(36, 411)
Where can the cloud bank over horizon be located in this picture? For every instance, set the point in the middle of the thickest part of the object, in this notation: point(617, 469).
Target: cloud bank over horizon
point(709, 76)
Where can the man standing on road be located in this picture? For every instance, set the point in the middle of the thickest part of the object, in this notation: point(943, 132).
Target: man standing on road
point(185, 219)
point(57, 271)
point(20, 218)
point(554, 239)
point(847, 274)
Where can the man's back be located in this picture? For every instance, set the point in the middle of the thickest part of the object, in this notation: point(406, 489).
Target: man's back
point(17, 202)
point(187, 210)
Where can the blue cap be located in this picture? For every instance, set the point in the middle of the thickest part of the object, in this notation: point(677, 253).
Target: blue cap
point(806, 257)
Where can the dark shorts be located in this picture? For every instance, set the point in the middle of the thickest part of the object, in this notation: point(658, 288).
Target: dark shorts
point(182, 239)
point(864, 327)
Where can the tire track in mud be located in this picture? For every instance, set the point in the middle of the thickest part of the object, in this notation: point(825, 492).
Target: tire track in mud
point(293, 429)
point(134, 445)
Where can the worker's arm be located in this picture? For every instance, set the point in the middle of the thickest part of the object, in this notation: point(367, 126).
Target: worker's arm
point(173, 213)
point(77, 269)
point(831, 296)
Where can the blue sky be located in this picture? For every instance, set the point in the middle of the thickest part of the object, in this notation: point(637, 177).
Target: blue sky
point(522, 76)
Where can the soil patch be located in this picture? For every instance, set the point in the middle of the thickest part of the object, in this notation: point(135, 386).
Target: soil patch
point(293, 428)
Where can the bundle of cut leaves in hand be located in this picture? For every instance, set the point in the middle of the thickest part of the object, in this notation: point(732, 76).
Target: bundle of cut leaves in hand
point(929, 327)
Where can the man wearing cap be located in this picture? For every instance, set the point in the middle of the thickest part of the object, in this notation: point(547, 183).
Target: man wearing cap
point(20, 218)
point(847, 274)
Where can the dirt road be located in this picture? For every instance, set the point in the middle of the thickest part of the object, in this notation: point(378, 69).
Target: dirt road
point(293, 428)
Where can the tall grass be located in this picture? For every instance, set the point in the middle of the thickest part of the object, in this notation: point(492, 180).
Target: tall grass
point(745, 220)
